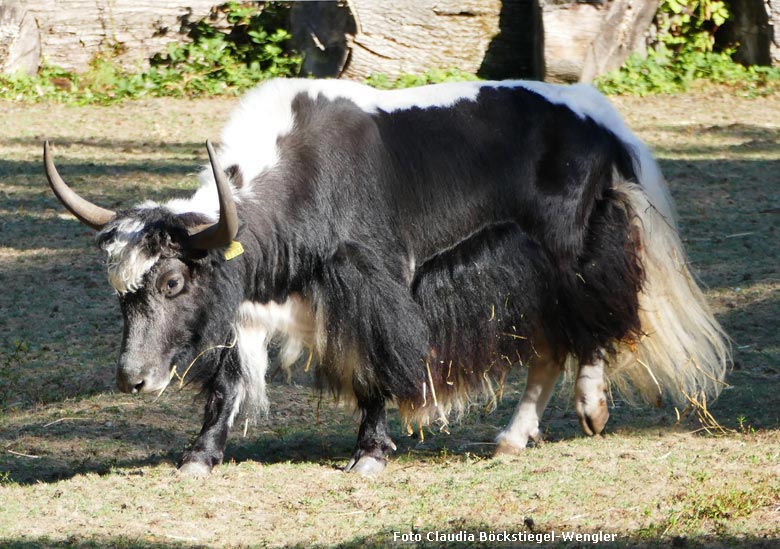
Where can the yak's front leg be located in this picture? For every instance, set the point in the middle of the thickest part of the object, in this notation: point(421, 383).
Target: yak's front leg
point(224, 398)
point(374, 443)
point(590, 399)
point(543, 372)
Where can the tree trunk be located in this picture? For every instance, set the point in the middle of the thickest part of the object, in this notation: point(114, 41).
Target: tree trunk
point(773, 7)
point(567, 42)
point(749, 30)
point(517, 50)
point(356, 38)
point(73, 32)
point(413, 36)
point(582, 41)
point(323, 32)
point(20, 44)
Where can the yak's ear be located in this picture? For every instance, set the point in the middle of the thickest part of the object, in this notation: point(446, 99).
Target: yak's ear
point(236, 176)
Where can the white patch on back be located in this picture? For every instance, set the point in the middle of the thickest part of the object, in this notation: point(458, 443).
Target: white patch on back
point(265, 114)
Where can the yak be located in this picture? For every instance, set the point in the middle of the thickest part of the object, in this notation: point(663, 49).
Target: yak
point(419, 244)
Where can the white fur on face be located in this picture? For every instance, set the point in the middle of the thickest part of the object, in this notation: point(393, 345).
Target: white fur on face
point(127, 262)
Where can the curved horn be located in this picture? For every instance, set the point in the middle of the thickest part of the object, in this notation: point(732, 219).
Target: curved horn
point(221, 233)
point(85, 211)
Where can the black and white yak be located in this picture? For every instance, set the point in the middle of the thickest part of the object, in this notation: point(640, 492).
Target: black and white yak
point(419, 243)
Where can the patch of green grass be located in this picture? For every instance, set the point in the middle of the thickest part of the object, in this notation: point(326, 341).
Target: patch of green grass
point(433, 76)
point(663, 71)
point(705, 510)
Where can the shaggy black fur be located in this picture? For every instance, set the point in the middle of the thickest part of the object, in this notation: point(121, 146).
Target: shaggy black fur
point(506, 204)
point(485, 300)
point(598, 300)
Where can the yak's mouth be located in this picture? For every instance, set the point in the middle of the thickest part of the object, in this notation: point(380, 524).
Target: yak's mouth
point(148, 384)
point(134, 378)
point(181, 368)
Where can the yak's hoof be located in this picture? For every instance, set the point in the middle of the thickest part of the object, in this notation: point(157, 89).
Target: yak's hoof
point(194, 469)
point(368, 466)
point(593, 417)
point(506, 448)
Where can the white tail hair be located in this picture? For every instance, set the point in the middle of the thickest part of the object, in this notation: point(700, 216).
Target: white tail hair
point(683, 351)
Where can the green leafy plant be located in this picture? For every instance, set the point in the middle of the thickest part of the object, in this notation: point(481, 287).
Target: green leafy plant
point(433, 76)
point(661, 71)
point(690, 25)
point(684, 53)
point(223, 61)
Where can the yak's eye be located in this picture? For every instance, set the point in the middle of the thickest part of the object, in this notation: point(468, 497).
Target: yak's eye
point(171, 283)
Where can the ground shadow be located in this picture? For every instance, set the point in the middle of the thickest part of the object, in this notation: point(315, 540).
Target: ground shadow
point(60, 307)
point(517, 51)
point(120, 145)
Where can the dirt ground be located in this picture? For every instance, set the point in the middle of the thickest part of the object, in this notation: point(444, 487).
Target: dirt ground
point(83, 466)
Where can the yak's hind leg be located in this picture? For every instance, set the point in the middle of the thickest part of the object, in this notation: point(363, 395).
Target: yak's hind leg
point(590, 399)
point(374, 443)
point(543, 372)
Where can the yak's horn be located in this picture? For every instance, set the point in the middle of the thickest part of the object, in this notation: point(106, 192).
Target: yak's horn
point(221, 233)
point(86, 212)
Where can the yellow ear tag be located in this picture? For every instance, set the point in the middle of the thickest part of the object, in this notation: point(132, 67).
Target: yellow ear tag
point(234, 250)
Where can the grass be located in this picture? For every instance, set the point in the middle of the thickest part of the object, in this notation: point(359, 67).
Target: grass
point(81, 466)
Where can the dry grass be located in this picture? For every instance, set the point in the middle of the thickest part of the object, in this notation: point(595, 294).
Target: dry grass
point(81, 466)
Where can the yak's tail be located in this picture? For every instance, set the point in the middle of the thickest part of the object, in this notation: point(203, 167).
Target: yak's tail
point(682, 350)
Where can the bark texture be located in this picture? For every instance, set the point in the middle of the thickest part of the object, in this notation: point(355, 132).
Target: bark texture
point(773, 8)
point(569, 42)
point(584, 40)
point(20, 43)
point(413, 36)
point(72, 32)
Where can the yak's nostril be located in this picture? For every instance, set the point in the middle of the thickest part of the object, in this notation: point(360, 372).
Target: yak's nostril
point(139, 387)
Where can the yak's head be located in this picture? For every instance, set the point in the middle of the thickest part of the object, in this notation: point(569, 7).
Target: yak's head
point(162, 267)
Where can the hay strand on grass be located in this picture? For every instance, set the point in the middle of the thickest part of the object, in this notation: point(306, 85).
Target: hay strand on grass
point(698, 405)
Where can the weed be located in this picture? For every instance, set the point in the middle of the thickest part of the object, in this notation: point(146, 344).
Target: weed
point(218, 62)
point(718, 507)
point(744, 427)
point(665, 72)
point(433, 76)
point(5, 478)
point(684, 53)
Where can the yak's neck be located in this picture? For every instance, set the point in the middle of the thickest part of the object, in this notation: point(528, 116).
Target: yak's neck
point(274, 265)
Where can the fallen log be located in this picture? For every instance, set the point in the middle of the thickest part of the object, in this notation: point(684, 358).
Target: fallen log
point(567, 42)
point(71, 33)
point(20, 44)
